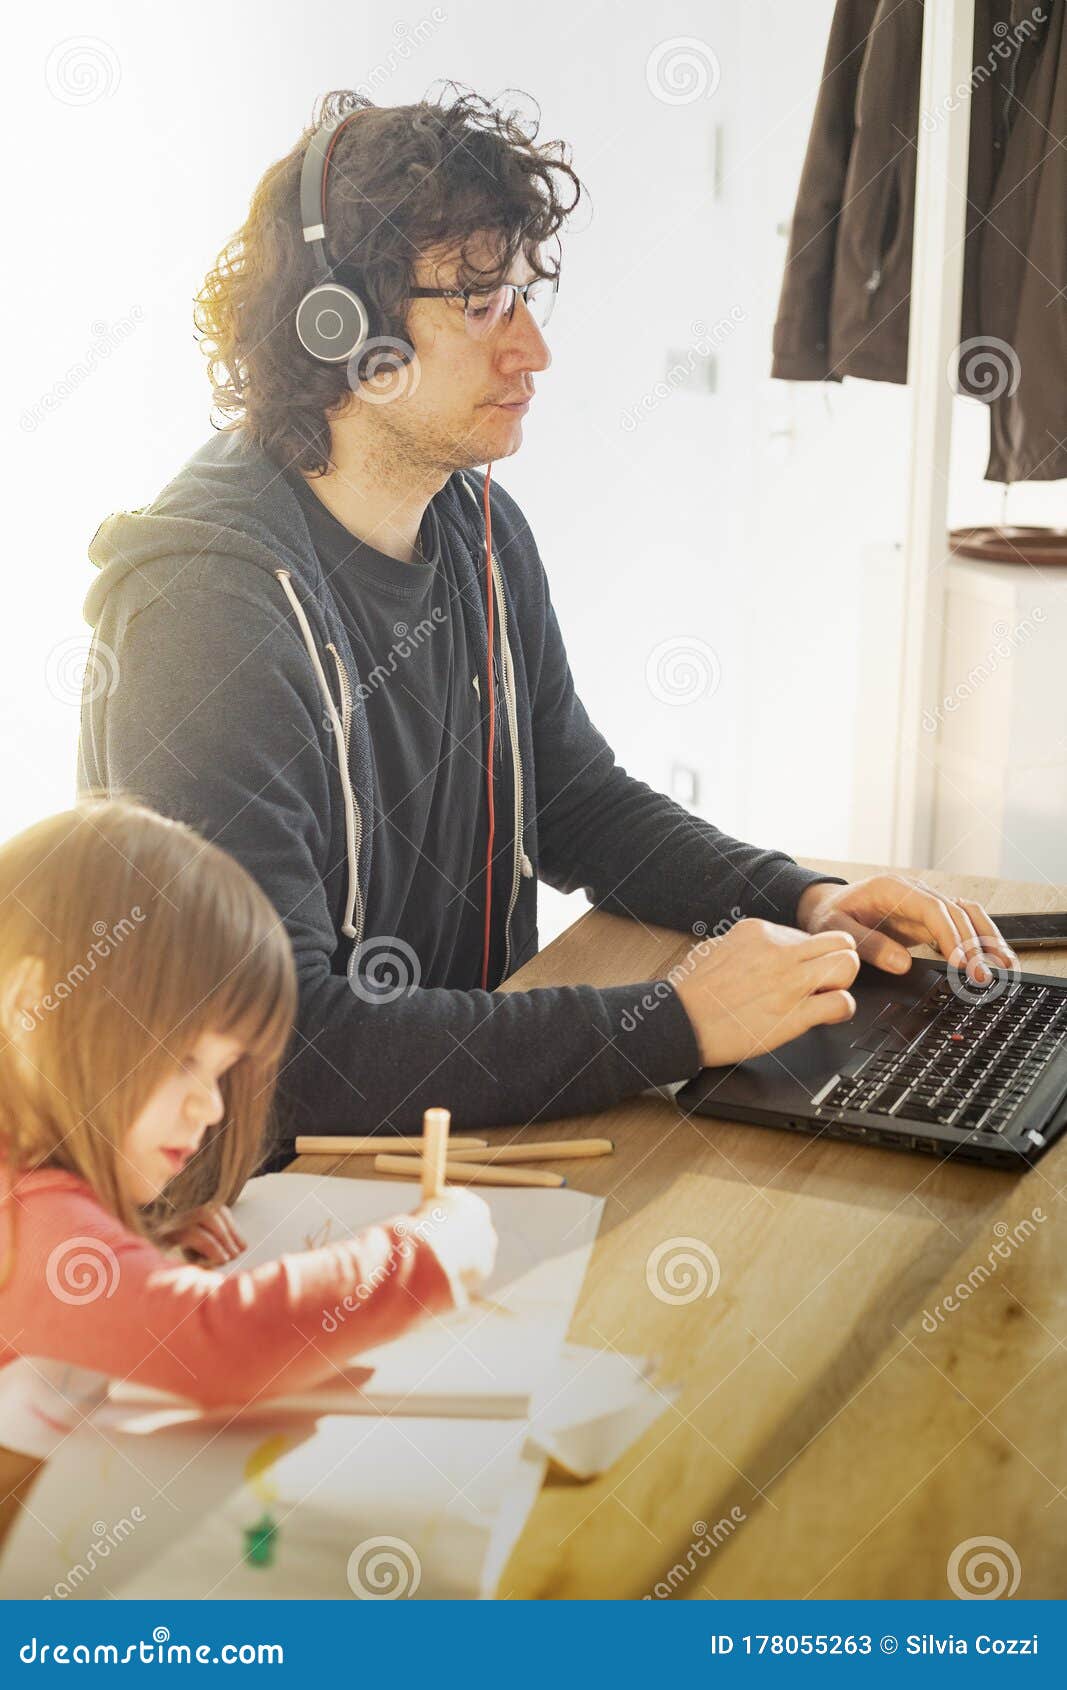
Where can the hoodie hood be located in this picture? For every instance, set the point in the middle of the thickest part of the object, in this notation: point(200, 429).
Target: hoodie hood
point(231, 500)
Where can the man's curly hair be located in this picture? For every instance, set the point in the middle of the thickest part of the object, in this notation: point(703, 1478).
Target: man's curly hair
point(402, 181)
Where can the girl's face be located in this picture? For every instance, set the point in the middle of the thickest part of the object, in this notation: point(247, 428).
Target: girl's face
point(171, 1127)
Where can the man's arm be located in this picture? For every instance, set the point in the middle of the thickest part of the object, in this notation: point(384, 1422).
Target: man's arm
point(216, 720)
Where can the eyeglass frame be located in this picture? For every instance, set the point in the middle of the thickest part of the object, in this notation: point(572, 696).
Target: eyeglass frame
point(517, 288)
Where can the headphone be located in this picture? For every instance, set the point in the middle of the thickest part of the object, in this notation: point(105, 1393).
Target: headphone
point(332, 324)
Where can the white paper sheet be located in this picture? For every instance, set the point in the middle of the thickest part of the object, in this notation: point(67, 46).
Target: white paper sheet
point(356, 1508)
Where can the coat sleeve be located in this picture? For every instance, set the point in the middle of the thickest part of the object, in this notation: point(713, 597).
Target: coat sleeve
point(802, 329)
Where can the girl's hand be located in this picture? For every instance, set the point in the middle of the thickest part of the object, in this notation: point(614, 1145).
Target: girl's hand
point(207, 1235)
point(458, 1227)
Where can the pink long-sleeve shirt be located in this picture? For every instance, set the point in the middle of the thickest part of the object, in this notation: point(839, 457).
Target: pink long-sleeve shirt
point(87, 1301)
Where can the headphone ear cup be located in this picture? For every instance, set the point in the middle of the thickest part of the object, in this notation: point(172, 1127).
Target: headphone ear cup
point(332, 323)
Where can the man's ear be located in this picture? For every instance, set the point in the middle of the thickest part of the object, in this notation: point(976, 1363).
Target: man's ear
point(21, 996)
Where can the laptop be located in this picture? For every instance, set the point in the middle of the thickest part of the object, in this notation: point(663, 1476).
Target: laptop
point(928, 1062)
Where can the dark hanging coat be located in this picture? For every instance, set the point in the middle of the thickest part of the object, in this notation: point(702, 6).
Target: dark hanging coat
point(846, 292)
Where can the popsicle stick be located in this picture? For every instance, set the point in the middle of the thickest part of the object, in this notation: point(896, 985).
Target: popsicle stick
point(435, 1125)
point(469, 1173)
point(310, 1144)
point(557, 1150)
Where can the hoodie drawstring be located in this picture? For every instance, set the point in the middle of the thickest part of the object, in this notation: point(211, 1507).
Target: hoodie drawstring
point(353, 822)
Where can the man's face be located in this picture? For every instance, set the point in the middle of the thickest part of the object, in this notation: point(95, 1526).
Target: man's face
point(462, 401)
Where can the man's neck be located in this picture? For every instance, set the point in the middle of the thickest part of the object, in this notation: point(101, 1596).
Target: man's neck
point(379, 502)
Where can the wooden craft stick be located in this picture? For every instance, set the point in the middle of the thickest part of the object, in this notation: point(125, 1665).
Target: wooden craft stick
point(435, 1125)
point(558, 1150)
point(469, 1173)
point(314, 1145)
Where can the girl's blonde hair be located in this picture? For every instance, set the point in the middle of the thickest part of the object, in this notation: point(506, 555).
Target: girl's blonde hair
point(145, 936)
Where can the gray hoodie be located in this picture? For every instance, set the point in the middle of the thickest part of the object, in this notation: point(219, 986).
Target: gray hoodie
point(234, 704)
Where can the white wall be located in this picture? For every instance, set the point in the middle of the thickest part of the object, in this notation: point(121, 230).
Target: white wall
point(735, 523)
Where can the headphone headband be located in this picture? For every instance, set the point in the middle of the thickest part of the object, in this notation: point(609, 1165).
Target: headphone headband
point(332, 322)
point(313, 190)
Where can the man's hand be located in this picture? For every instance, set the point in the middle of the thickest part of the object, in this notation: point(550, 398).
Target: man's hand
point(889, 911)
point(761, 985)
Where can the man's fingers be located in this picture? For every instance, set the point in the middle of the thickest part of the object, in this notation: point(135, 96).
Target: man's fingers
point(824, 1009)
point(993, 942)
point(832, 970)
point(880, 949)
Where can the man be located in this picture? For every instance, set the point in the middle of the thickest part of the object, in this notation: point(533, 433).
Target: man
point(302, 624)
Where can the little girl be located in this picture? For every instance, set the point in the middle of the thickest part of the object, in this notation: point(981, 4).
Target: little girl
point(147, 993)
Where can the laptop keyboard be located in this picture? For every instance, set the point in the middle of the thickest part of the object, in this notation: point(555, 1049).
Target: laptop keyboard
point(967, 1065)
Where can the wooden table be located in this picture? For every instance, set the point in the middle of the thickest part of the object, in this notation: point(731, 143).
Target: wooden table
point(824, 1443)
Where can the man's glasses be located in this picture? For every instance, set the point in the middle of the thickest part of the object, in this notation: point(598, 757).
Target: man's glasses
point(483, 312)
